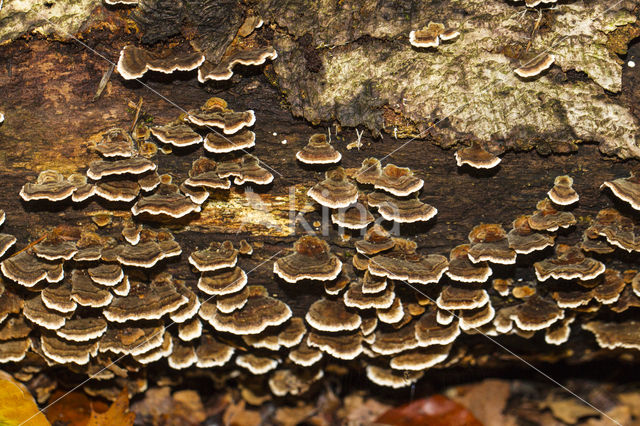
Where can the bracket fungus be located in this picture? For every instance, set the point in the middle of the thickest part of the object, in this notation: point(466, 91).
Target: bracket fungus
point(489, 243)
point(376, 240)
point(335, 191)
point(476, 156)
point(332, 316)
point(217, 256)
point(354, 217)
point(536, 66)
point(548, 218)
point(431, 35)
point(523, 240)
point(50, 185)
point(568, 264)
point(224, 70)
point(115, 142)
point(134, 61)
point(167, 200)
point(403, 263)
point(398, 181)
point(215, 112)
point(311, 260)
point(177, 134)
point(318, 151)
point(627, 189)
point(618, 229)
point(220, 144)
point(562, 192)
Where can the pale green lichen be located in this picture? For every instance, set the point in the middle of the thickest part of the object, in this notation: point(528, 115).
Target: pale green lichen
point(63, 18)
point(471, 82)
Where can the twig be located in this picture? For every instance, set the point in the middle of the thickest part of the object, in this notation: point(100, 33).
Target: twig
point(135, 119)
point(103, 82)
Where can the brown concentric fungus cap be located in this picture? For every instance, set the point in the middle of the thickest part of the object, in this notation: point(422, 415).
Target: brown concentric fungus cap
point(608, 287)
point(311, 260)
point(217, 256)
point(536, 66)
point(627, 189)
point(523, 240)
point(14, 350)
point(398, 181)
point(372, 284)
point(106, 274)
point(55, 249)
point(462, 269)
point(429, 332)
point(156, 354)
point(257, 364)
point(50, 185)
point(619, 230)
point(289, 336)
point(215, 113)
point(332, 316)
point(562, 192)
point(453, 297)
point(293, 382)
point(36, 312)
point(476, 156)
point(304, 355)
point(369, 172)
point(568, 264)
point(471, 319)
point(414, 269)
point(245, 248)
point(489, 243)
point(344, 346)
point(14, 328)
point(63, 351)
point(147, 254)
point(149, 181)
point(558, 333)
point(58, 297)
point(252, 171)
point(402, 211)
point(395, 341)
point(27, 270)
point(160, 297)
point(134, 62)
point(219, 144)
point(335, 191)
point(393, 314)
point(318, 151)
point(257, 314)
point(224, 70)
point(536, 313)
point(548, 218)
point(227, 281)
point(392, 378)
point(82, 329)
point(132, 340)
point(230, 302)
point(420, 359)
point(6, 242)
point(376, 240)
point(167, 200)
point(427, 36)
point(190, 330)
point(355, 217)
point(182, 356)
point(177, 134)
point(611, 335)
point(86, 293)
point(115, 142)
point(189, 309)
point(197, 195)
point(204, 173)
point(212, 353)
point(134, 166)
point(117, 190)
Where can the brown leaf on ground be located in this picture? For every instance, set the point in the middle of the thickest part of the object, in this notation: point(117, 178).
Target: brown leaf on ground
point(569, 410)
point(436, 410)
point(631, 400)
point(155, 404)
point(486, 400)
point(621, 414)
point(17, 405)
point(291, 416)
point(187, 408)
point(238, 415)
point(117, 414)
point(72, 409)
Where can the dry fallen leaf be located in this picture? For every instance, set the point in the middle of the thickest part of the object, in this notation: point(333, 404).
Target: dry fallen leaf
point(118, 414)
point(17, 405)
point(436, 410)
point(486, 400)
point(570, 410)
point(73, 409)
point(238, 415)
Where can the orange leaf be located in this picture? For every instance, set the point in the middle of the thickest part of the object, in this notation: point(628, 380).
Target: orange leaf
point(433, 411)
point(73, 409)
point(17, 406)
point(117, 415)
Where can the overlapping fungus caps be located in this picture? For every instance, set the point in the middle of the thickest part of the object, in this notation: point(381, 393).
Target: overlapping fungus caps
point(343, 346)
point(611, 335)
point(147, 254)
point(159, 297)
point(454, 297)
point(304, 355)
point(392, 378)
point(217, 256)
point(619, 230)
point(569, 263)
point(489, 243)
point(257, 364)
point(354, 297)
point(420, 359)
point(331, 316)
point(132, 339)
point(212, 353)
point(50, 185)
point(627, 189)
point(537, 65)
point(402, 211)
point(167, 200)
point(82, 329)
point(355, 217)
point(335, 191)
point(14, 328)
point(523, 240)
point(548, 218)
point(203, 173)
point(36, 312)
point(403, 263)
point(369, 171)
point(476, 156)
point(115, 142)
point(318, 151)
point(224, 70)
point(221, 282)
point(252, 171)
point(135, 166)
point(219, 144)
point(134, 62)
point(215, 113)
point(27, 270)
point(117, 190)
point(274, 339)
point(536, 313)
point(398, 181)
point(63, 351)
point(177, 134)
point(429, 332)
point(562, 192)
point(293, 381)
point(86, 293)
point(311, 260)
point(58, 297)
point(462, 269)
point(376, 240)
point(259, 312)
point(431, 35)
